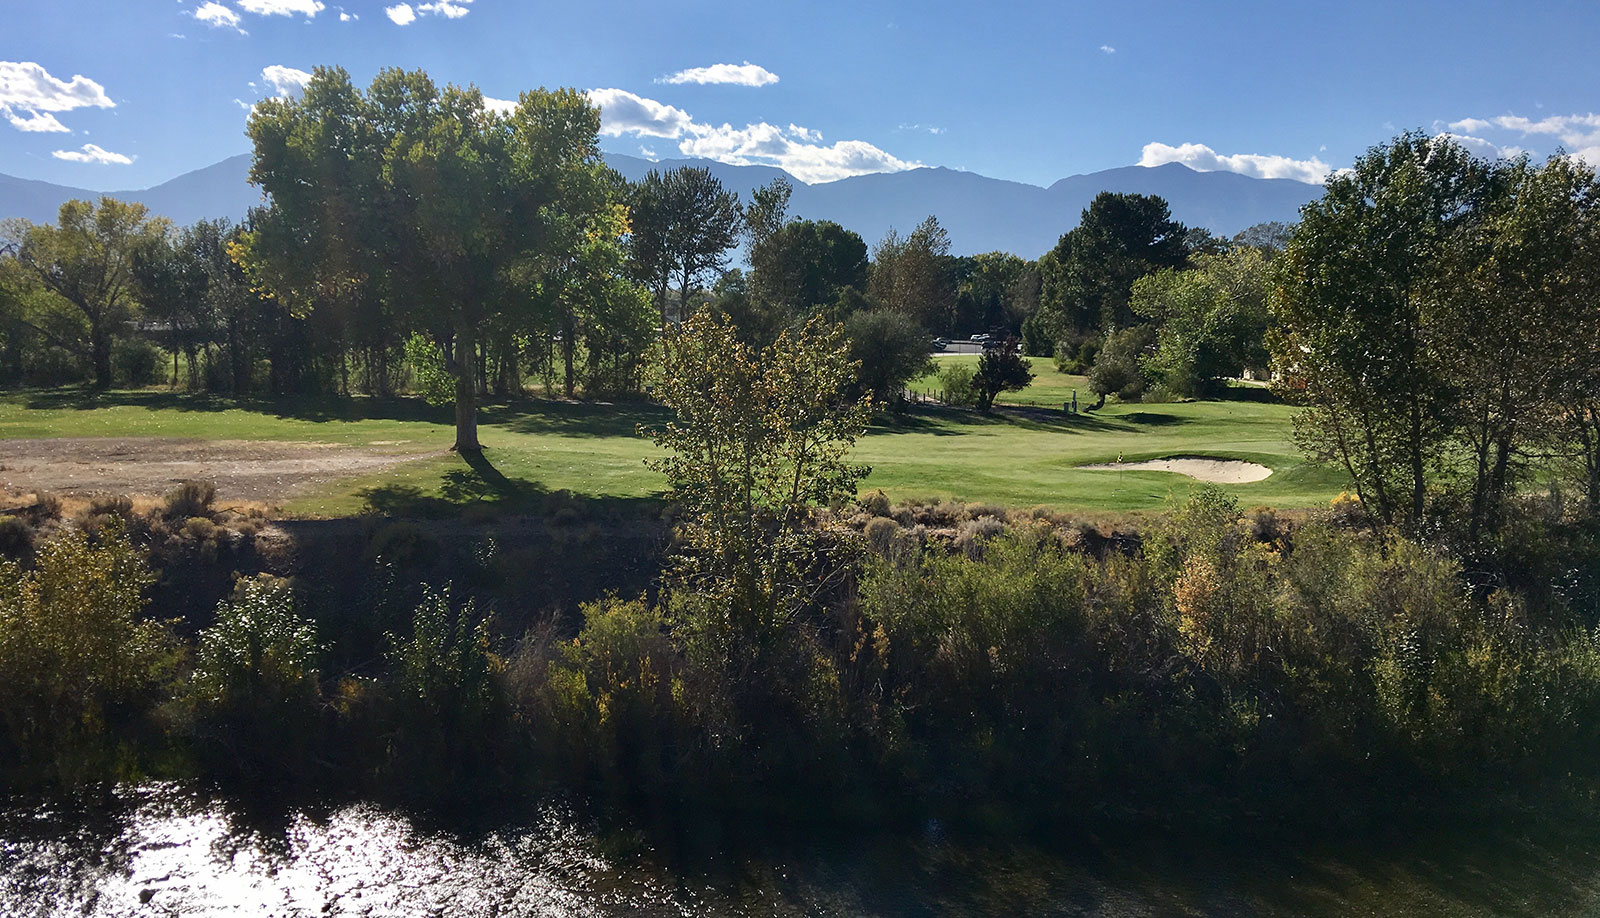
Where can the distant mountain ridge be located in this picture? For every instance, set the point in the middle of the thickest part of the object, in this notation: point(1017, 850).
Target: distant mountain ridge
point(981, 214)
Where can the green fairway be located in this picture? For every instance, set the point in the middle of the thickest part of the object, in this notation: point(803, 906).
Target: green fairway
point(592, 449)
point(1050, 388)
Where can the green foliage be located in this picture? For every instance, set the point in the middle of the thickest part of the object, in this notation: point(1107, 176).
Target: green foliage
point(891, 350)
point(911, 275)
point(459, 220)
point(1088, 277)
point(428, 374)
point(1211, 320)
point(758, 443)
point(616, 693)
point(1000, 369)
point(1118, 365)
point(136, 362)
point(259, 653)
point(80, 665)
point(957, 386)
point(86, 263)
point(445, 665)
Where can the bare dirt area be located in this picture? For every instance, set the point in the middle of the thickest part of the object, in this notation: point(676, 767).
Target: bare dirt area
point(1220, 471)
point(243, 470)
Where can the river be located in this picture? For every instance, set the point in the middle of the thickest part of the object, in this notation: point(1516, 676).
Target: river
point(168, 849)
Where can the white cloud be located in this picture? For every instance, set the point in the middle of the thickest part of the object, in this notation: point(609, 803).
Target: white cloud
point(29, 95)
point(622, 112)
point(647, 153)
point(930, 128)
point(1577, 134)
point(446, 8)
point(36, 122)
point(307, 8)
point(347, 17)
point(405, 14)
point(92, 154)
point(219, 17)
point(796, 149)
point(1107, 49)
point(286, 80)
point(1202, 158)
point(745, 74)
point(500, 106)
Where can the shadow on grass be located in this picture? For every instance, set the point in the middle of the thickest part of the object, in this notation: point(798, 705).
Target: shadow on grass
point(482, 488)
point(532, 416)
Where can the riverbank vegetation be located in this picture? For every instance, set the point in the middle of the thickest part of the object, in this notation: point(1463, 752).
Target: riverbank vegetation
point(734, 626)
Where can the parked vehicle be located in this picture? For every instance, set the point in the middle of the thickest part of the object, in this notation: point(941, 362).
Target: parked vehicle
point(940, 344)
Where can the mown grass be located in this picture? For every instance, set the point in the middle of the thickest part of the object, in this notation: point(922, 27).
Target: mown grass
point(537, 446)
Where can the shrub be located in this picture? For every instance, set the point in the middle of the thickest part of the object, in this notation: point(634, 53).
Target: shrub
point(190, 499)
point(46, 507)
point(118, 505)
point(81, 669)
point(16, 539)
point(258, 653)
point(881, 532)
point(876, 503)
point(137, 362)
point(956, 386)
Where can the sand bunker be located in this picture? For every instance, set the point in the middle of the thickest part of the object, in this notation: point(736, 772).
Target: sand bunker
point(1220, 471)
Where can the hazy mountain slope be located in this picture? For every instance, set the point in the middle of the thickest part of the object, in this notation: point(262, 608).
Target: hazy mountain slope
point(980, 213)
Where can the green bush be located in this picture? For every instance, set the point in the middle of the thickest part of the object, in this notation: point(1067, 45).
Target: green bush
point(956, 387)
point(136, 362)
point(81, 668)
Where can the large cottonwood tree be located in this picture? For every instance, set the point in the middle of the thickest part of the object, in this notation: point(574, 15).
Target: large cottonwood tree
point(454, 213)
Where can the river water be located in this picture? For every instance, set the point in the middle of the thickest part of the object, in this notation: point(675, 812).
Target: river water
point(168, 849)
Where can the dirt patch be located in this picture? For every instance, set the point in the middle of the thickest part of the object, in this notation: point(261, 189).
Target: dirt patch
point(249, 470)
point(1220, 471)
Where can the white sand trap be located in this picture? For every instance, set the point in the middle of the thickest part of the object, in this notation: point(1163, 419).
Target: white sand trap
point(1220, 471)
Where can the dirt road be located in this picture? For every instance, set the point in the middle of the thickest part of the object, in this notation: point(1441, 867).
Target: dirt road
point(254, 470)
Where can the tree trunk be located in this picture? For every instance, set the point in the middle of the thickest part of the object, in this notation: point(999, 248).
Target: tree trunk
point(568, 332)
point(100, 353)
point(465, 369)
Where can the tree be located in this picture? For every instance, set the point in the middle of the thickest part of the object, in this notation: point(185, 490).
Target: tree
point(451, 213)
point(1001, 369)
point(988, 291)
point(757, 444)
point(1211, 320)
point(87, 260)
point(1119, 364)
point(805, 264)
point(1360, 323)
point(891, 350)
point(1516, 297)
point(1087, 279)
point(684, 224)
point(912, 275)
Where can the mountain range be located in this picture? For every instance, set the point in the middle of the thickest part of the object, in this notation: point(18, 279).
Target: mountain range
point(981, 214)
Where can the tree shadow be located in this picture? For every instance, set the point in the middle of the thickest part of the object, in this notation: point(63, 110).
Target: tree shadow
point(482, 488)
point(1151, 418)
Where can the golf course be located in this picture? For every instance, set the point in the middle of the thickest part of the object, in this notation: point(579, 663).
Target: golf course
point(372, 449)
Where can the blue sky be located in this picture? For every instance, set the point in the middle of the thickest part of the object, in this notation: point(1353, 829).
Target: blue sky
point(121, 94)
